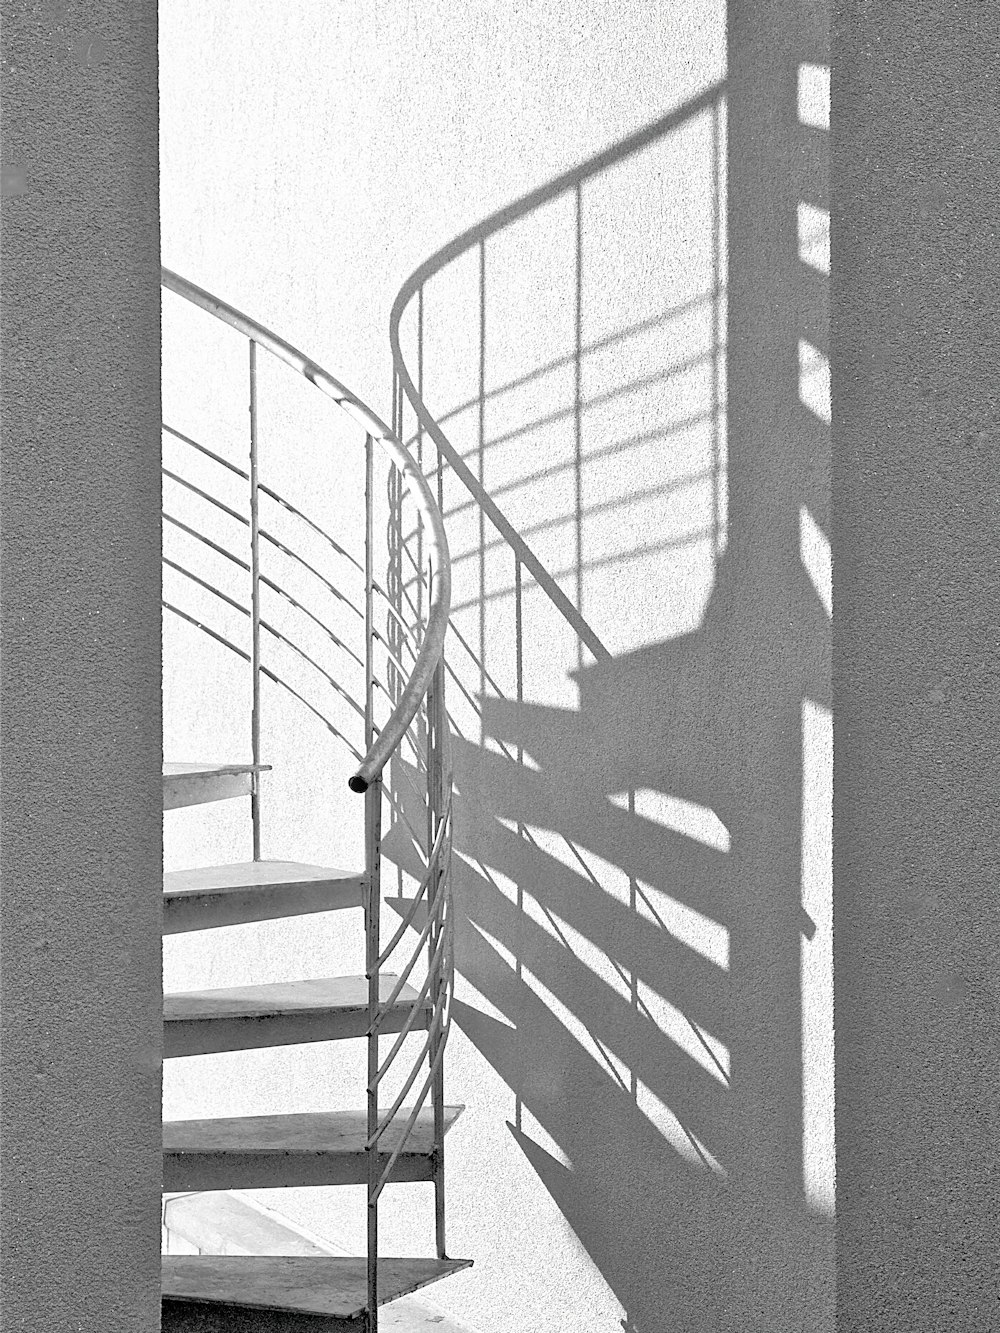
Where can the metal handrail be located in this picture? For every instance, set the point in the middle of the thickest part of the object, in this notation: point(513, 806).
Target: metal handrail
point(432, 645)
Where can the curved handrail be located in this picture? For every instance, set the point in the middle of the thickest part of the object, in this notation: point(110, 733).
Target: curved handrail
point(432, 646)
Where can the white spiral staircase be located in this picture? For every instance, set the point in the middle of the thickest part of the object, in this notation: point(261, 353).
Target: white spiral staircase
point(398, 632)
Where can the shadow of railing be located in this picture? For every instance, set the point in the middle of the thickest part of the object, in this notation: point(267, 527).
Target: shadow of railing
point(640, 648)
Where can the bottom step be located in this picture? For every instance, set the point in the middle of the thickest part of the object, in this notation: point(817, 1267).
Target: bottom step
point(283, 1294)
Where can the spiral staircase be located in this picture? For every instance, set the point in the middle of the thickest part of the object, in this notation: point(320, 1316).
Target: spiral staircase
point(399, 631)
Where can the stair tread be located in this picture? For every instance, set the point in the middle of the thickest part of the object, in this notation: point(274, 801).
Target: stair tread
point(252, 875)
point(187, 784)
point(320, 1285)
point(340, 994)
point(175, 770)
point(327, 1132)
point(246, 891)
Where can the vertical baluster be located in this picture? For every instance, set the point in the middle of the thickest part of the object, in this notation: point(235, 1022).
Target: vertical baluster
point(373, 837)
point(420, 457)
point(521, 830)
point(368, 592)
point(437, 721)
point(254, 605)
point(444, 883)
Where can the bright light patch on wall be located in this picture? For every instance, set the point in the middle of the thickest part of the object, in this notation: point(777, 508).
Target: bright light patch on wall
point(500, 881)
point(818, 1154)
point(815, 554)
point(686, 923)
point(660, 1116)
point(673, 812)
point(814, 380)
point(704, 1049)
point(466, 992)
point(814, 237)
point(506, 954)
point(814, 96)
point(592, 956)
point(493, 746)
point(691, 927)
point(578, 1030)
point(611, 879)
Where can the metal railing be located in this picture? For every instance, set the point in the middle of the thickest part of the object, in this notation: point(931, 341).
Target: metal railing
point(411, 650)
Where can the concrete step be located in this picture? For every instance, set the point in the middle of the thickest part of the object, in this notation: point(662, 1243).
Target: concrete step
point(193, 784)
point(276, 1151)
point(254, 891)
point(280, 1014)
point(221, 1222)
point(283, 1294)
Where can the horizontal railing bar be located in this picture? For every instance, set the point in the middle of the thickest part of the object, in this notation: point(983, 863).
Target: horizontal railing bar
point(409, 601)
point(415, 1008)
point(203, 449)
point(430, 864)
point(266, 671)
point(287, 504)
point(294, 555)
point(404, 545)
point(415, 838)
point(207, 630)
point(384, 1124)
point(282, 592)
point(387, 1119)
point(205, 495)
point(397, 807)
point(200, 536)
point(316, 667)
point(408, 1129)
point(271, 675)
point(400, 770)
point(431, 972)
point(434, 911)
point(403, 926)
point(397, 618)
point(379, 637)
point(209, 587)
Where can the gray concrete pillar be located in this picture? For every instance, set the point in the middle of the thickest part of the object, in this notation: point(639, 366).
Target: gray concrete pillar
point(80, 747)
point(916, 679)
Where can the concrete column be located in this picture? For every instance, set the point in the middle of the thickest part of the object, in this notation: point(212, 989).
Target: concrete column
point(916, 925)
point(80, 748)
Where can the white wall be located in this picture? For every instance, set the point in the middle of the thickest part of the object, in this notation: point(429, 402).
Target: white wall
point(644, 1034)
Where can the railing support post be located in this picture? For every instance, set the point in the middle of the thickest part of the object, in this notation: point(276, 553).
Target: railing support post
point(437, 720)
point(373, 837)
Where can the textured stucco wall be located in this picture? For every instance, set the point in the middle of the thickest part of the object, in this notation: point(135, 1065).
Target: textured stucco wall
point(80, 821)
point(631, 360)
point(916, 668)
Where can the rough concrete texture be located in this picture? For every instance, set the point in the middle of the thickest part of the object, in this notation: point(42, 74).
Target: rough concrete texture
point(915, 665)
point(619, 217)
point(80, 822)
